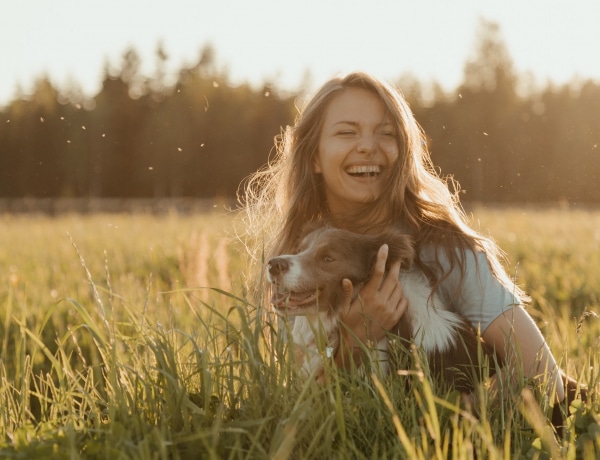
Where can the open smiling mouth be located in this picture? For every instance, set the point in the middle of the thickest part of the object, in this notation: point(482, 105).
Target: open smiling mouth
point(364, 171)
point(283, 300)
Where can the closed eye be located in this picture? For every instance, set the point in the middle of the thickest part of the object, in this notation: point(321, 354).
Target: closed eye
point(388, 132)
point(328, 259)
point(345, 133)
point(387, 129)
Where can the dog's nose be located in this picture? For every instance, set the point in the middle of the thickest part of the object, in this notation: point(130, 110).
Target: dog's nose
point(277, 266)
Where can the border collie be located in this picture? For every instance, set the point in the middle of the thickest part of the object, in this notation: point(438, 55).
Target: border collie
point(307, 285)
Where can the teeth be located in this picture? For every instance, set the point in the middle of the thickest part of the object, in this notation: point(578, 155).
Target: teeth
point(364, 169)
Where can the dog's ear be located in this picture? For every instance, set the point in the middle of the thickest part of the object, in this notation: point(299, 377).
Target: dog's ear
point(307, 228)
point(401, 248)
point(311, 226)
point(369, 247)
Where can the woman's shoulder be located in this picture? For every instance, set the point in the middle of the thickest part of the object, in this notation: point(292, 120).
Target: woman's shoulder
point(434, 254)
point(461, 269)
point(473, 290)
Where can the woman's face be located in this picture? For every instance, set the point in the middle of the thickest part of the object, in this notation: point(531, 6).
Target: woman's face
point(358, 146)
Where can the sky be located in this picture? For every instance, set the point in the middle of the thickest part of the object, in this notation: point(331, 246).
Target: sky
point(282, 41)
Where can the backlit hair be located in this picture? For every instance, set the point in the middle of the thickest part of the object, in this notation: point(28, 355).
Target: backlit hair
point(281, 198)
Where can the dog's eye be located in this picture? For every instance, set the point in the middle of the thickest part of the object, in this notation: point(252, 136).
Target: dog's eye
point(328, 259)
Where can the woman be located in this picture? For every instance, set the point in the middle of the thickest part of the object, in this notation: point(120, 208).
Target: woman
point(357, 158)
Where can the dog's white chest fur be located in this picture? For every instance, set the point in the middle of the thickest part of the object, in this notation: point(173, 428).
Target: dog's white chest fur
point(433, 327)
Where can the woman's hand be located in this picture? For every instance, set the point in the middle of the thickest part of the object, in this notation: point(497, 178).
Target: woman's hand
point(377, 309)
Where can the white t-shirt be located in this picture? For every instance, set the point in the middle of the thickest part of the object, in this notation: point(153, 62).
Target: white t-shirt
point(481, 298)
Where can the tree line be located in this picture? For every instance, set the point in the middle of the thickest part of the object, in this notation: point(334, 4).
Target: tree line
point(498, 134)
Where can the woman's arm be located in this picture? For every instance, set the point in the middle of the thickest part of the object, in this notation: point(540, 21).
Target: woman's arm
point(377, 309)
point(496, 310)
point(518, 341)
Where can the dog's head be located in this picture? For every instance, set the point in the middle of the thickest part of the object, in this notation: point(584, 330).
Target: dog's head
point(310, 281)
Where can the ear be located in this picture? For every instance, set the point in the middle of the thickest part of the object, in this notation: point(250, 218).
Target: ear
point(371, 250)
point(311, 226)
point(400, 248)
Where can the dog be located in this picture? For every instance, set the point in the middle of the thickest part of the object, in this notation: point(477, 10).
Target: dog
point(307, 285)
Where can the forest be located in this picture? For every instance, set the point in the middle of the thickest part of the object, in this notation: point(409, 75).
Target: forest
point(501, 135)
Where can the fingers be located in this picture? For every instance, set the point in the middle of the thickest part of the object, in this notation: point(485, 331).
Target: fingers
point(386, 287)
point(396, 302)
point(379, 268)
point(347, 290)
point(390, 286)
point(381, 300)
point(391, 295)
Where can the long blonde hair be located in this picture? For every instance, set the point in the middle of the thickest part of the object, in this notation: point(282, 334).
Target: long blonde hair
point(281, 198)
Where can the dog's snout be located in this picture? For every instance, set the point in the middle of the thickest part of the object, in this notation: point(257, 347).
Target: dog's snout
point(277, 266)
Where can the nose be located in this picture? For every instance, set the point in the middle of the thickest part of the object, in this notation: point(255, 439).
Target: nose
point(366, 143)
point(277, 266)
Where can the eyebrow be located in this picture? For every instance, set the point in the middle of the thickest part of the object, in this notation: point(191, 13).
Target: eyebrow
point(343, 122)
point(354, 123)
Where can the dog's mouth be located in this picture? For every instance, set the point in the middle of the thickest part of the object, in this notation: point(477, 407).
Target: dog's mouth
point(364, 170)
point(290, 300)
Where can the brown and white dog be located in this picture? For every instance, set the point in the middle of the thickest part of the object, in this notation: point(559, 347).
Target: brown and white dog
point(307, 285)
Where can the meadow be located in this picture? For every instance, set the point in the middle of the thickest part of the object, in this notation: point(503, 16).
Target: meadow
point(133, 336)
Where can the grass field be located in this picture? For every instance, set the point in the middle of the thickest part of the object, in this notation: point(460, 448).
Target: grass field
point(130, 336)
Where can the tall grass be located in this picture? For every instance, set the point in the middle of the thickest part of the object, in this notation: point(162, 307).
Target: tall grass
point(132, 337)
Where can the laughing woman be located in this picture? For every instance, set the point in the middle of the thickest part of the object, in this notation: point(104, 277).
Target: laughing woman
point(357, 158)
